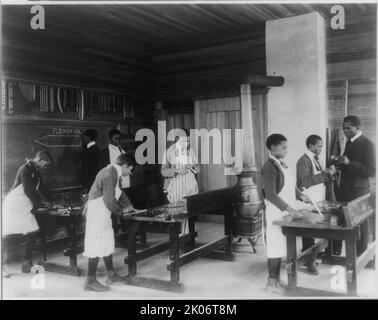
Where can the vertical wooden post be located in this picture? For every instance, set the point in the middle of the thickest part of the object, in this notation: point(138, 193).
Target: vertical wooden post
point(247, 125)
point(160, 113)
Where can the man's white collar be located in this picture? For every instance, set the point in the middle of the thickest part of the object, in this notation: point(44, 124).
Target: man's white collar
point(112, 146)
point(90, 144)
point(310, 154)
point(356, 136)
point(275, 159)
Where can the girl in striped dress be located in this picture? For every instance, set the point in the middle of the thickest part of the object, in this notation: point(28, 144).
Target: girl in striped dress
point(179, 168)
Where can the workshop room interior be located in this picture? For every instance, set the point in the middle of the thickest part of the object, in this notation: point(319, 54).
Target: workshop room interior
point(137, 72)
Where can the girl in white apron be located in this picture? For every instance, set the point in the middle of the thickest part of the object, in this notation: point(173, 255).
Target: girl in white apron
point(27, 193)
point(104, 198)
point(179, 168)
point(279, 192)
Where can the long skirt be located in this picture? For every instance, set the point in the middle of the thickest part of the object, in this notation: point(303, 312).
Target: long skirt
point(17, 215)
point(99, 235)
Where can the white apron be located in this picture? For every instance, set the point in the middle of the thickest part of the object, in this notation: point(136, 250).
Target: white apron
point(17, 215)
point(275, 240)
point(317, 192)
point(99, 234)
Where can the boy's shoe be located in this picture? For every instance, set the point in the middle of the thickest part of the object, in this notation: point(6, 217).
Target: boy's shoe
point(114, 277)
point(26, 266)
point(94, 285)
point(275, 286)
point(311, 268)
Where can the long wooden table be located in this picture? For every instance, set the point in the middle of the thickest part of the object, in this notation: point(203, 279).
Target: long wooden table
point(170, 219)
point(351, 215)
point(72, 219)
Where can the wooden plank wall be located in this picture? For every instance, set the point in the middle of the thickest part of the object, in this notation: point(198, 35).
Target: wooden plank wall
point(71, 52)
point(351, 55)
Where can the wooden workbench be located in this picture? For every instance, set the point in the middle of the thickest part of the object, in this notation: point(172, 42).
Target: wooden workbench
point(170, 219)
point(351, 215)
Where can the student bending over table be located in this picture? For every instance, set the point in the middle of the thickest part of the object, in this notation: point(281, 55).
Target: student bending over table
point(27, 193)
point(105, 197)
point(279, 191)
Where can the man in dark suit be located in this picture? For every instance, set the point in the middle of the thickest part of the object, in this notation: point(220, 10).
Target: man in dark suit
point(110, 154)
point(90, 159)
point(357, 164)
point(311, 172)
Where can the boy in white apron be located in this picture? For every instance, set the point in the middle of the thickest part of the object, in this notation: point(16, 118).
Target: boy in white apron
point(27, 193)
point(279, 190)
point(105, 198)
point(311, 173)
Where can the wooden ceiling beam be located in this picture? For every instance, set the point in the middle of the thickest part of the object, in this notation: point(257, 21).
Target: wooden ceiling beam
point(168, 19)
point(216, 17)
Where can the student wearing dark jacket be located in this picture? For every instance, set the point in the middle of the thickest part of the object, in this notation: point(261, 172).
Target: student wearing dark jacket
point(279, 190)
point(357, 165)
point(90, 159)
point(27, 193)
point(311, 172)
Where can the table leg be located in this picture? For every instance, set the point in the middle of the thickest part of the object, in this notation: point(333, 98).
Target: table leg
point(42, 233)
point(351, 275)
point(72, 237)
point(143, 239)
point(131, 249)
point(228, 232)
point(192, 231)
point(174, 255)
point(291, 261)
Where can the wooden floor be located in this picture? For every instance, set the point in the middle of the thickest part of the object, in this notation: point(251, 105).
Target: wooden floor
point(244, 278)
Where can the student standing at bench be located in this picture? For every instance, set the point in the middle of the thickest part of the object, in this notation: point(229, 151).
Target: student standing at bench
point(311, 172)
point(179, 167)
point(27, 193)
point(278, 185)
point(356, 167)
point(105, 198)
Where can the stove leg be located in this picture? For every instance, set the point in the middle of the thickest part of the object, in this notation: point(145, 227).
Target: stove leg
point(253, 242)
